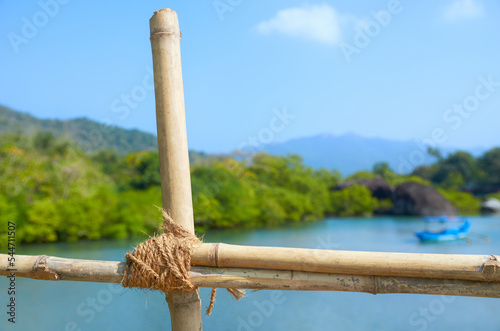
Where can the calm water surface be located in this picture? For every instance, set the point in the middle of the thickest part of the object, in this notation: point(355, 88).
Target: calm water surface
point(43, 305)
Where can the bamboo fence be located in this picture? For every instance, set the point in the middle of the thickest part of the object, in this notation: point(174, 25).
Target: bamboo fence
point(444, 266)
point(55, 268)
point(229, 266)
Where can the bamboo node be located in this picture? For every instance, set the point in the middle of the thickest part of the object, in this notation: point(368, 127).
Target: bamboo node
point(214, 255)
point(490, 268)
point(163, 262)
point(169, 32)
point(42, 271)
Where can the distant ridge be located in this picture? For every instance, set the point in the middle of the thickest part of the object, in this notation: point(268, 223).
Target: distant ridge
point(350, 152)
point(90, 135)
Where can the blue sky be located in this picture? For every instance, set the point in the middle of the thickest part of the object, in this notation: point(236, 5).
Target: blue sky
point(405, 70)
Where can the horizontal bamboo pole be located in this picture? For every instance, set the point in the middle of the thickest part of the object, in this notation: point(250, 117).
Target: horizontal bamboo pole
point(443, 266)
point(55, 268)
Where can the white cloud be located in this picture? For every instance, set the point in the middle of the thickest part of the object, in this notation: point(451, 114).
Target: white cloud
point(463, 9)
point(319, 23)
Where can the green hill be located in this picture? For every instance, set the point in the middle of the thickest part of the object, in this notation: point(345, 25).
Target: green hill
point(88, 134)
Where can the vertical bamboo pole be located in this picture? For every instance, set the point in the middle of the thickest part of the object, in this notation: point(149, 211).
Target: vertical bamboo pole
point(185, 307)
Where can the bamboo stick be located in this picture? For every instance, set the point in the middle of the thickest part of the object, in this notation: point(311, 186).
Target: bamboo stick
point(483, 268)
point(185, 307)
point(460, 267)
point(444, 266)
point(55, 268)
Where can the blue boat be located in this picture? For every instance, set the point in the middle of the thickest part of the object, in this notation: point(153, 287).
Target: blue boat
point(450, 233)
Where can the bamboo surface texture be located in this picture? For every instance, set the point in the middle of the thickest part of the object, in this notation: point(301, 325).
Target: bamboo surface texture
point(444, 266)
point(185, 307)
point(55, 268)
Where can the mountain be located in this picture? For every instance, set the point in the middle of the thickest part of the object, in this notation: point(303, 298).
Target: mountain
point(89, 135)
point(350, 153)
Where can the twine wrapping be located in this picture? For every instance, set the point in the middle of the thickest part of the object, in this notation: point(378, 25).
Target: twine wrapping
point(163, 262)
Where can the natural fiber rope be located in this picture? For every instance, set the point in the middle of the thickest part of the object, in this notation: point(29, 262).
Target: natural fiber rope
point(212, 301)
point(163, 262)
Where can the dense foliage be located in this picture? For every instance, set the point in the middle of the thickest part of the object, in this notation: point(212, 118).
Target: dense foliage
point(56, 192)
point(354, 200)
point(461, 169)
point(53, 192)
point(89, 135)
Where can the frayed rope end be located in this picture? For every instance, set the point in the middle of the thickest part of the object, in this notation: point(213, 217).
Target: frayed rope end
point(236, 293)
point(163, 262)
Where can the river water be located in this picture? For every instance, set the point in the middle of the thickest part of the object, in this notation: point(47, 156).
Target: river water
point(43, 305)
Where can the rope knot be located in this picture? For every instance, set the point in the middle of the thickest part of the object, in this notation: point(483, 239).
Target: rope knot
point(163, 262)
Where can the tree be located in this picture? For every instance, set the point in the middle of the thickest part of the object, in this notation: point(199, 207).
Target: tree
point(363, 174)
point(43, 221)
point(355, 200)
point(435, 152)
point(456, 170)
point(143, 169)
point(329, 177)
point(426, 172)
point(8, 213)
point(302, 189)
point(221, 198)
point(465, 202)
point(489, 165)
point(44, 141)
point(381, 168)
